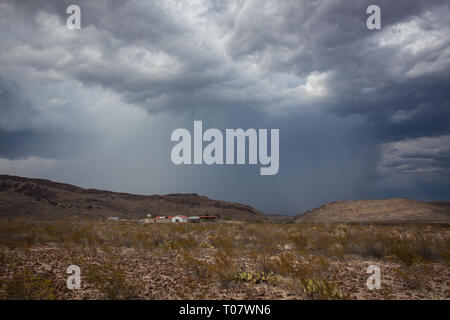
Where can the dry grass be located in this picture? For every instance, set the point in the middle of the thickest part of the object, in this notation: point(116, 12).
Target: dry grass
point(110, 280)
point(298, 258)
point(404, 244)
point(26, 285)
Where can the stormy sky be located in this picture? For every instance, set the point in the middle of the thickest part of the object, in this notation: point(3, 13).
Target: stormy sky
point(362, 113)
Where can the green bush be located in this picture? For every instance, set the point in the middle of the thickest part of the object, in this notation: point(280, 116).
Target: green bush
point(255, 278)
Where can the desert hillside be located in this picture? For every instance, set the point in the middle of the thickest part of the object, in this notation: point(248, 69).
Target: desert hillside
point(37, 197)
point(379, 211)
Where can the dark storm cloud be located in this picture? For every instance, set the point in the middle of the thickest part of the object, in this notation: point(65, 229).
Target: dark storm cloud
point(24, 131)
point(415, 168)
point(343, 96)
point(377, 74)
point(47, 144)
point(364, 76)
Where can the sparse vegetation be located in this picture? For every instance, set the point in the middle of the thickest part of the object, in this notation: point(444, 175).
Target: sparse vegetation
point(25, 285)
point(255, 278)
point(110, 280)
point(130, 260)
point(319, 289)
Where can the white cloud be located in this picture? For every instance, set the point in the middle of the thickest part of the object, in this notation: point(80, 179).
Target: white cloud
point(316, 85)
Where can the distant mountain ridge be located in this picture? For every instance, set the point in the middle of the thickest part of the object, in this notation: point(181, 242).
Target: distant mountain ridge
point(31, 197)
point(379, 211)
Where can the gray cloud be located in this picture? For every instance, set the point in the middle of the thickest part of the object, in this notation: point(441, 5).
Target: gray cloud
point(421, 155)
point(103, 100)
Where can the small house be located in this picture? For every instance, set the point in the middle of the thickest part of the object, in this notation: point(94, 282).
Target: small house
point(194, 219)
point(163, 219)
point(180, 219)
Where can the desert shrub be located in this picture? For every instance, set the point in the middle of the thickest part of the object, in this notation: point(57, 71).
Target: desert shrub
point(288, 264)
point(25, 285)
point(323, 242)
point(189, 262)
point(429, 248)
point(170, 244)
point(110, 280)
point(320, 289)
point(158, 240)
point(407, 246)
point(63, 232)
point(187, 243)
point(341, 228)
point(314, 266)
point(254, 277)
point(223, 268)
point(405, 253)
point(365, 243)
point(143, 240)
point(223, 241)
point(262, 261)
point(415, 248)
point(83, 235)
point(283, 264)
point(180, 243)
point(414, 277)
point(207, 244)
point(300, 240)
point(374, 249)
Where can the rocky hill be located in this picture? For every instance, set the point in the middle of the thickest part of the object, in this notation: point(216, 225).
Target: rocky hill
point(379, 211)
point(43, 198)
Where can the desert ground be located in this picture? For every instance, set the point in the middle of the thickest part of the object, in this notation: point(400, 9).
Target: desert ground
point(221, 260)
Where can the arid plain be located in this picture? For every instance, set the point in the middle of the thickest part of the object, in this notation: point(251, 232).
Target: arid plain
point(266, 257)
